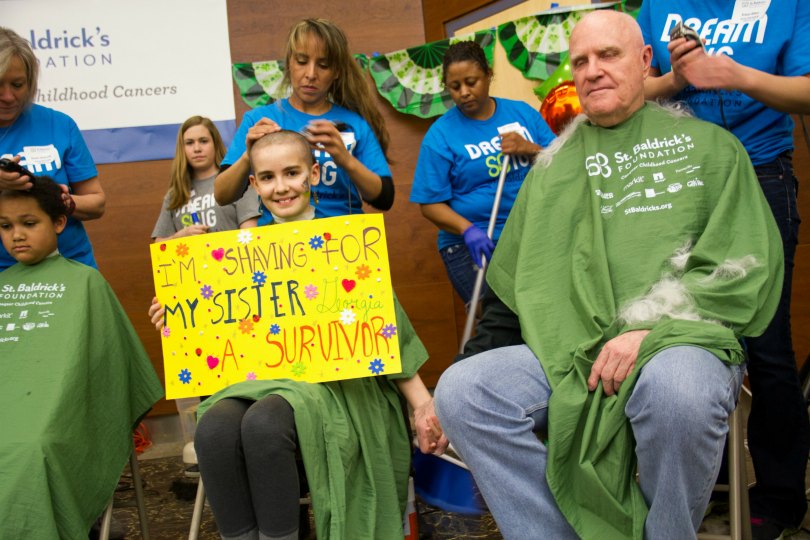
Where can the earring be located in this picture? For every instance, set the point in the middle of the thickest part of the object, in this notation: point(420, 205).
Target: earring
point(315, 196)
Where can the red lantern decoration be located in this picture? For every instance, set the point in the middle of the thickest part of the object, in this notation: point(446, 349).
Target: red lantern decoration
point(560, 106)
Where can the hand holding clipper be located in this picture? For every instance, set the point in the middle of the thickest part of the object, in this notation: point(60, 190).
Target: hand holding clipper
point(686, 32)
point(22, 181)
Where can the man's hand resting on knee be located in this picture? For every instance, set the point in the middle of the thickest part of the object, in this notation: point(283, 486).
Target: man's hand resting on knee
point(616, 361)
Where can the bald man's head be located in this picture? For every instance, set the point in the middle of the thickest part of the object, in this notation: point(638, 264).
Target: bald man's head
point(609, 61)
point(606, 20)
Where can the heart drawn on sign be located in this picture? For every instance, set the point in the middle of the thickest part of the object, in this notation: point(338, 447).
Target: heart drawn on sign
point(218, 254)
point(327, 236)
point(162, 247)
point(213, 361)
point(348, 284)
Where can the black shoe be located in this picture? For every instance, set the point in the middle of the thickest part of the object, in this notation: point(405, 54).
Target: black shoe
point(117, 531)
point(767, 529)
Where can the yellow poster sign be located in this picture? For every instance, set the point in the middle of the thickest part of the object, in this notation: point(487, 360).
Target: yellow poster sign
point(309, 301)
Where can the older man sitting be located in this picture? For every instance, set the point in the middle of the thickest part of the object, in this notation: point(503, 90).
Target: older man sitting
point(640, 250)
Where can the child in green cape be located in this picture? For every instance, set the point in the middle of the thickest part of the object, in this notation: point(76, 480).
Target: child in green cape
point(350, 434)
point(59, 402)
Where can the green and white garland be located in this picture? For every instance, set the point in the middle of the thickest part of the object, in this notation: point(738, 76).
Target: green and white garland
point(411, 79)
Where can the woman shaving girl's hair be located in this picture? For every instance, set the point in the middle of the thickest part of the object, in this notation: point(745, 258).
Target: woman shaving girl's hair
point(328, 90)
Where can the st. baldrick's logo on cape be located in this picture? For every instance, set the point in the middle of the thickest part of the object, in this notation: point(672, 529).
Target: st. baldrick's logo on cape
point(309, 301)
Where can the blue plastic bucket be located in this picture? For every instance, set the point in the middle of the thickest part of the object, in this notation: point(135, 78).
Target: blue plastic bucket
point(445, 485)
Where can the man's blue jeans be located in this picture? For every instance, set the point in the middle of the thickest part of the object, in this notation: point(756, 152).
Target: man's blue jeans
point(778, 427)
point(491, 404)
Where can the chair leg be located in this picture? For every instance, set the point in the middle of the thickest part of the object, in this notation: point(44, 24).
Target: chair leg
point(734, 464)
point(745, 514)
point(739, 515)
point(139, 497)
point(199, 506)
point(196, 516)
point(106, 521)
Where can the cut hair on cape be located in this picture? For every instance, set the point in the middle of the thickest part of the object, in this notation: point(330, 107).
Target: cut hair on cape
point(670, 298)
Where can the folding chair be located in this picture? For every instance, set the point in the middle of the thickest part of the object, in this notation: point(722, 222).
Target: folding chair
point(106, 520)
point(737, 487)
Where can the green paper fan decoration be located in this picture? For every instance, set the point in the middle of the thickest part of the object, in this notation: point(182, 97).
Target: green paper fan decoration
point(411, 79)
point(361, 59)
point(261, 83)
point(535, 45)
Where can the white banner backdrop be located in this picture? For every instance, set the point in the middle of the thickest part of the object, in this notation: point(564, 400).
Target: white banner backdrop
point(129, 73)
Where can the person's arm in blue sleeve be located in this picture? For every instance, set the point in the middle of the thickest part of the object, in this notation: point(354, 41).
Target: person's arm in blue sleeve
point(231, 183)
point(787, 91)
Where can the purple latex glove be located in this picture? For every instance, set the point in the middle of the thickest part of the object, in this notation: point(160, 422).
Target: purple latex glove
point(478, 243)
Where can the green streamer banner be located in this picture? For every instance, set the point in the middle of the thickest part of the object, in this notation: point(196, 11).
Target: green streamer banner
point(261, 83)
point(536, 45)
point(411, 79)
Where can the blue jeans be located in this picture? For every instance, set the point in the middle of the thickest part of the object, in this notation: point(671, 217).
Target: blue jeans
point(778, 427)
point(491, 404)
point(461, 270)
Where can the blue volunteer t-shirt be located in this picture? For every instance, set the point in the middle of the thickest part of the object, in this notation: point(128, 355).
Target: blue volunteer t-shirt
point(51, 144)
point(777, 43)
point(460, 163)
point(337, 195)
